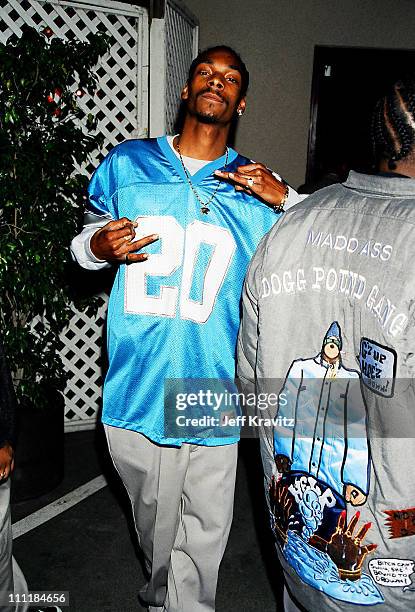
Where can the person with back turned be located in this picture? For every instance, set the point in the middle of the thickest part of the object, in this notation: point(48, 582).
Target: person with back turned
point(338, 464)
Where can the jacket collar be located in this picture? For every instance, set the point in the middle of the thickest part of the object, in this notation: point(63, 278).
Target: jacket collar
point(382, 185)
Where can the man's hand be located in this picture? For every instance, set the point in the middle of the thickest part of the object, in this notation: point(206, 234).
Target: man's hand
point(113, 242)
point(353, 495)
point(6, 461)
point(257, 180)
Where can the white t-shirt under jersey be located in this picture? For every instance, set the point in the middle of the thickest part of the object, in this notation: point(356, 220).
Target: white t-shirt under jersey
point(192, 165)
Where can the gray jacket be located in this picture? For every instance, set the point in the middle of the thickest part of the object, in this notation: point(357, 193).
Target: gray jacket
point(329, 302)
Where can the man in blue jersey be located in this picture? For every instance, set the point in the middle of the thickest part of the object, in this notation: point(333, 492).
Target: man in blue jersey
point(199, 209)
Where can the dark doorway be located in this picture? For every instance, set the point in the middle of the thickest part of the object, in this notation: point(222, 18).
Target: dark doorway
point(346, 84)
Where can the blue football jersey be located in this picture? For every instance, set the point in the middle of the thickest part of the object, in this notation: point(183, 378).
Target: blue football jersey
point(176, 315)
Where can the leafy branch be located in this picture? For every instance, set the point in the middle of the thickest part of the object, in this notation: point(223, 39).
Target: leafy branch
point(44, 135)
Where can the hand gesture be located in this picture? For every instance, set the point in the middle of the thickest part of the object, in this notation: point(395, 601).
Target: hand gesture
point(114, 242)
point(6, 461)
point(345, 547)
point(256, 179)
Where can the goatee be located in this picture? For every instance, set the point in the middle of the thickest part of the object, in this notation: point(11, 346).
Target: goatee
point(209, 119)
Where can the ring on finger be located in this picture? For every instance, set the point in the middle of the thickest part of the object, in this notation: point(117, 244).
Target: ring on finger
point(251, 182)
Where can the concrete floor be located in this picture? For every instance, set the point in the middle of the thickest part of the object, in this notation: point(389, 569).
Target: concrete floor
point(90, 551)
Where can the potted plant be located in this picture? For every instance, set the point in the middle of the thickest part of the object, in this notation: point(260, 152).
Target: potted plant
point(45, 137)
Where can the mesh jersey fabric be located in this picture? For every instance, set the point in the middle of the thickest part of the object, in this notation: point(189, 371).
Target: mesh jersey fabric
point(177, 314)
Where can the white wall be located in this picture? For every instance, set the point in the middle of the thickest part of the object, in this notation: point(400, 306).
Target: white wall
point(276, 39)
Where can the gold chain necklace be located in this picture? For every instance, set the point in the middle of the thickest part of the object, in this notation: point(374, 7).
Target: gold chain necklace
point(203, 205)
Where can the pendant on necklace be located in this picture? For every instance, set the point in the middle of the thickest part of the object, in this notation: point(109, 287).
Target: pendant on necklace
point(204, 209)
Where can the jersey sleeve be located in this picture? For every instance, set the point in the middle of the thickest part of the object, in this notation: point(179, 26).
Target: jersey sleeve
point(98, 212)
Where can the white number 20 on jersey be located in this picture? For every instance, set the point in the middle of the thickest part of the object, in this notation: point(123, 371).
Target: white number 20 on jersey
point(179, 247)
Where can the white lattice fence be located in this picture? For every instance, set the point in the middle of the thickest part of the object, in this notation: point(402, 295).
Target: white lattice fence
point(181, 48)
point(173, 45)
point(83, 359)
point(120, 105)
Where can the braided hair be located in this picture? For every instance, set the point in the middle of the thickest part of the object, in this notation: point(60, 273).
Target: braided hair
point(393, 123)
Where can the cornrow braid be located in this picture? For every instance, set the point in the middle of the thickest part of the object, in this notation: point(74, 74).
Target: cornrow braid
point(380, 136)
point(393, 123)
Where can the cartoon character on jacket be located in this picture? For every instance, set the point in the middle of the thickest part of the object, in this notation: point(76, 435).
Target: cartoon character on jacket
point(329, 439)
point(323, 462)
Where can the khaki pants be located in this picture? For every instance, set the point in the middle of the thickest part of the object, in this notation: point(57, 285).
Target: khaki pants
point(182, 501)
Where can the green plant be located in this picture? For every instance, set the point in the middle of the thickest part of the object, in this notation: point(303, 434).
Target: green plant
point(44, 136)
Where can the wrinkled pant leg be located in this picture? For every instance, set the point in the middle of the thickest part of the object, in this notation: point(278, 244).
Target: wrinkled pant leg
point(153, 476)
point(205, 521)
